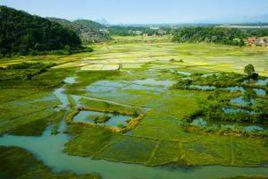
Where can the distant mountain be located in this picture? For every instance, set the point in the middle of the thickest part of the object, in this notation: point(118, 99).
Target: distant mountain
point(22, 33)
point(89, 31)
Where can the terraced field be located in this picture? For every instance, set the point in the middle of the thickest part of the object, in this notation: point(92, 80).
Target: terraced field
point(139, 104)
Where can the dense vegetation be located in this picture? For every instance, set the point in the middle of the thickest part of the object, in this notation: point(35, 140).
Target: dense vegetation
point(256, 32)
point(211, 35)
point(89, 31)
point(22, 33)
point(135, 30)
point(223, 88)
point(90, 24)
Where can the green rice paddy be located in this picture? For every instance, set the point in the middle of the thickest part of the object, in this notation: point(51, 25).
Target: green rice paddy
point(158, 133)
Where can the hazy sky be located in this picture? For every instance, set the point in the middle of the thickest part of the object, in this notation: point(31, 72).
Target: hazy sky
point(147, 11)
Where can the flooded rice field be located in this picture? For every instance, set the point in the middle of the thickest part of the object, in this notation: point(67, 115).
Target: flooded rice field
point(171, 128)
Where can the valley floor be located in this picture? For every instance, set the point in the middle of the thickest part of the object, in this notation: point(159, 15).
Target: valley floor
point(128, 105)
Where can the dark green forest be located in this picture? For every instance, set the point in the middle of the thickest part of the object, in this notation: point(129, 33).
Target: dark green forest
point(210, 35)
point(22, 33)
point(227, 36)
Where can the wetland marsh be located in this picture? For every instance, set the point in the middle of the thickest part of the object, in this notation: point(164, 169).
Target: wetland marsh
point(163, 110)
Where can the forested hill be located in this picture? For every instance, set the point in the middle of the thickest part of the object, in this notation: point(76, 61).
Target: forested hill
point(210, 34)
point(89, 31)
point(90, 24)
point(22, 33)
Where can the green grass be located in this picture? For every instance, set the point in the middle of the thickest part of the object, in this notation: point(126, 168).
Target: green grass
point(87, 141)
point(229, 151)
point(167, 152)
point(128, 149)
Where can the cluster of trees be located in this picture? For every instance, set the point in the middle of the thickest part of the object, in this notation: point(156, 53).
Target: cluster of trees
point(256, 32)
point(88, 31)
point(218, 80)
point(22, 33)
point(226, 36)
point(132, 30)
point(212, 109)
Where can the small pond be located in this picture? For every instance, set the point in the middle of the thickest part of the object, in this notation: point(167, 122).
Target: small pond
point(242, 102)
point(230, 110)
point(70, 80)
point(260, 92)
point(200, 122)
point(257, 82)
point(262, 82)
point(235, 88)
point(205, 88)
point(114, 121)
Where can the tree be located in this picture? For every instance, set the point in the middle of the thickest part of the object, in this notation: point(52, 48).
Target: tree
point(249, 70)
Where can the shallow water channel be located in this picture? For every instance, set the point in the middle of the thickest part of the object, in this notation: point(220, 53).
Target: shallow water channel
point(49, 149)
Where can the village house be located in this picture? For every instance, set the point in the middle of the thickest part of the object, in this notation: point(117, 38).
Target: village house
point(259, 41)
point(145, 35)
point(263, 41)
point(251, 40)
